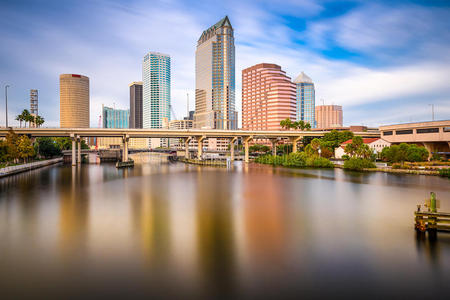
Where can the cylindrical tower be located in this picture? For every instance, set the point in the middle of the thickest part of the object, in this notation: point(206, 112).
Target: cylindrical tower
point(74, 101)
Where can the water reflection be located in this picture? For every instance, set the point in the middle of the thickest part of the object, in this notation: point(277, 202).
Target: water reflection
point(185, 230)
point(74, 215)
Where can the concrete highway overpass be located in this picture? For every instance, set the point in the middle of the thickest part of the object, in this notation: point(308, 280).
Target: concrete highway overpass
point(187, 134)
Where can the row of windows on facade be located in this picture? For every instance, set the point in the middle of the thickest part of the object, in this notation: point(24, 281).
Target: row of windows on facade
point(419, 131)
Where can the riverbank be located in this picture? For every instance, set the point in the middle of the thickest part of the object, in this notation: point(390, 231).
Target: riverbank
point(397, 171)
point(11, 170)
point(384, 169)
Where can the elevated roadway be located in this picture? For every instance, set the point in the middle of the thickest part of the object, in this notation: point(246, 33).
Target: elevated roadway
point(186, 134)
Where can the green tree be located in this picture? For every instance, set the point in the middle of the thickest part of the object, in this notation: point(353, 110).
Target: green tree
point(20, 119)
point(47, 147)
point(39, 121)
point(306, 140)
point(25, 115)
point(284, 148)
point(364, 151)
point(326, 152)
point(358, 164)
point(3, 151)
point(308, 126)
point(300, 125)
point(259, 148)
point(11, 144)
point(315, 144)
point(404, 152)
point(357, 148)
point(286, 123)
point(64, 143)
point(31, 119)
point(336, 138)
point(25, 148)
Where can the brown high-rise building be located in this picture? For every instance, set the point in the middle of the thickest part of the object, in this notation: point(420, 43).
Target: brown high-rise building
point(268, 97)
point(215, 78)
point(136, 105)
point(74, 101)
point(328, 116)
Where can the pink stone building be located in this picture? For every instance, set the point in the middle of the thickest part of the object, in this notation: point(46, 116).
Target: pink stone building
point(268, 97)
point(328, 116)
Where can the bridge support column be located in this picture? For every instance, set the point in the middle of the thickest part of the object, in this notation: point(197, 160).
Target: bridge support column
point(79, 149)
point(125, 139)
point(246, 141)
point(233, 140)
point(294, 141)
point(274, 146)
point(74, 149)
point(186, 147)
point(200, 147)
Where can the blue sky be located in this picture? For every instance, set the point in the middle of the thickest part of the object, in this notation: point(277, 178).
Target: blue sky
point(384, 61)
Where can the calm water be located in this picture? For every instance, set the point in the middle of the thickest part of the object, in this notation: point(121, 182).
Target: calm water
point(255, 231)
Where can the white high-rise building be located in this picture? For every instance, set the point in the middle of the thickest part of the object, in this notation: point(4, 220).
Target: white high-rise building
point(156, 93)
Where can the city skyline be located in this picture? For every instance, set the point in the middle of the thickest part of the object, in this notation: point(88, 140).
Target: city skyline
point(410, 65)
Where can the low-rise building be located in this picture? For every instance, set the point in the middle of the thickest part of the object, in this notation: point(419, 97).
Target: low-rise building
point(179, 124)
point(375, 144)
point(433, 135)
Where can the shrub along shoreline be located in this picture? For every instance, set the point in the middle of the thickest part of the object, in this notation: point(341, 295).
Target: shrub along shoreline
point(298, 160)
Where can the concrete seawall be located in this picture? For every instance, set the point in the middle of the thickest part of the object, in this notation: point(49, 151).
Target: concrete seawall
point(28, 167)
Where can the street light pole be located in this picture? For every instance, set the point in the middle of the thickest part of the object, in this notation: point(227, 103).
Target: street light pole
point(6, 101)
point(432, 111)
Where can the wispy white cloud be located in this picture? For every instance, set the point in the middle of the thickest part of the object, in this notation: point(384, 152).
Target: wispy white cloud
point(376, 29)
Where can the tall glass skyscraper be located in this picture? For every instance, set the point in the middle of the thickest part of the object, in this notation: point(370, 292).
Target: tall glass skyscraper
point(115, 118)
point(305, 99)
point(156, 90)
point(215, 78)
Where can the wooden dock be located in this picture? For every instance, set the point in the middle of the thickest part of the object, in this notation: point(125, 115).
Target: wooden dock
point(431, 220)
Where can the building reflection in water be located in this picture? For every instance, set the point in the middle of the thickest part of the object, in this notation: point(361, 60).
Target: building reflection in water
point(73, 213)
point(215, 232)
point(264, 228)
point(151, 219)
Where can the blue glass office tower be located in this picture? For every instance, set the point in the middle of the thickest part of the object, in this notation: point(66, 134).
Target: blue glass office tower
point(115, 118)
point(305, 99)
point(156, 90)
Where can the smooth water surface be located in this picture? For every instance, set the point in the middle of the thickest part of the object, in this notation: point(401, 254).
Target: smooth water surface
point(180, 230)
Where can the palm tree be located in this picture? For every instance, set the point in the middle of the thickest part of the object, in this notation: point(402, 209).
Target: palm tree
point(25, 116)
point(20, 119)
point(283, 123)
point(301, 124)
point(308, 126)
point(39, 121)
point(31, 119)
